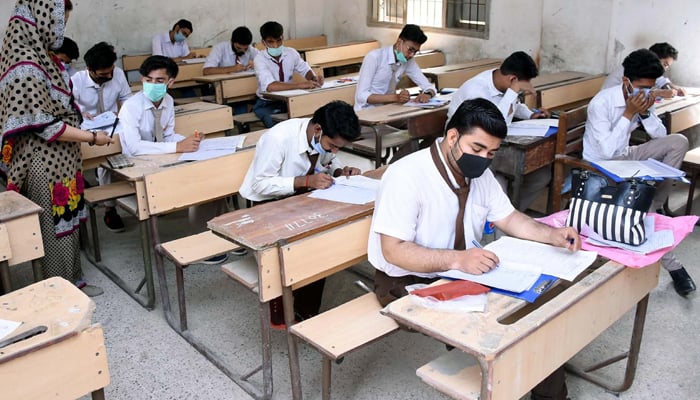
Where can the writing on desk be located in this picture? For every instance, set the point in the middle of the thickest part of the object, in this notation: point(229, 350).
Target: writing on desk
point(300, 223)
point(243, 220)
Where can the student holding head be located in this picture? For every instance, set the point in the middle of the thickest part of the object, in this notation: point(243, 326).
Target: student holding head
point(617, 111)
point(236, 55)
point(274, 68)
point(383, 68)
point(295, 156)
point(173, 43)
point(433, 203)
point(97, 89)
point(502, 87)
point(148, 117)
point(668, 55)
point(67, 53)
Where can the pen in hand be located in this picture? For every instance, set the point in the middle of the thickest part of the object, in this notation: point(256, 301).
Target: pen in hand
point(114, 126)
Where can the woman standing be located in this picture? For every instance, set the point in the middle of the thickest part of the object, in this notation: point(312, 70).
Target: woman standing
point(40, 141)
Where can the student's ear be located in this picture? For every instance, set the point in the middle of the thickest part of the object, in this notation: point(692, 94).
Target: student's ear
point(452, 135)
point(170, 82)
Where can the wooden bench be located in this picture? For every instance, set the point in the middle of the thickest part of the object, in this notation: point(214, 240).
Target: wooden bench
point(568, 150)
point(242, 121)
point(392, 139)
point(455, 374)
point(20, 236)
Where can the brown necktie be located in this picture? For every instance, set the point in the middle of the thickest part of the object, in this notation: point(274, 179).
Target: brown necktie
point(281, 71)
point(313, 158)
point(462, 194)
point(100, 100)
point(157, 126)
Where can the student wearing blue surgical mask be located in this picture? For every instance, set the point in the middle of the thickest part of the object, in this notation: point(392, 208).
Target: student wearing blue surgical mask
point(614, 113)
point(148, 117)
point(173, 43)
point(274, 67)
point(383, 68)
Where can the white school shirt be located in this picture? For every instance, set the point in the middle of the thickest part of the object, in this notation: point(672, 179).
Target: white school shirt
point(136, 118)
point(415, 204)
point(162, 46)
point(267, 70)
point(222, 55)
point(85, 91)
point(482, 86)
point(379, 68)
point(615, 79)
point(280, 156)
point(607, 133)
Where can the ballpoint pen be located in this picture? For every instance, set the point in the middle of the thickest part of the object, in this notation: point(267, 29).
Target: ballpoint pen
point(114, 126)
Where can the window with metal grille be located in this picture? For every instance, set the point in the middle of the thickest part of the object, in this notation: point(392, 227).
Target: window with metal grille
point(466, 17)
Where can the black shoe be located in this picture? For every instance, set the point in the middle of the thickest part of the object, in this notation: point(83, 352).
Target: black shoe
point(216, 259)
point(114, 221)
point(682, 282)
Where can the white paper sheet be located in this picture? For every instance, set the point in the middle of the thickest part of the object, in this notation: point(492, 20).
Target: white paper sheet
point(194, 60)
point(104, 120)
point(646, 168)
point(345, 194)
point(654, 240)
point(527, 130)
point(222, 143)
point(432, 103)
point(200, 154)
point(7, 327)
point(514, 277)
point(358, 181)
point(537, 122)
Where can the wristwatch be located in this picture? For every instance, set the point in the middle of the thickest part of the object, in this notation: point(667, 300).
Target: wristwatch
point(94, 138)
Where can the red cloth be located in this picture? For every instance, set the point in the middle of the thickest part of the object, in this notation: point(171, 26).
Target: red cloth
point(451, 290)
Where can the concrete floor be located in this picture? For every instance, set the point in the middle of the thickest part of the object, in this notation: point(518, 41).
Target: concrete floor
point(148, 360)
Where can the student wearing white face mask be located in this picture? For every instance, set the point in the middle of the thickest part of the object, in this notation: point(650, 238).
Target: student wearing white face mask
point(173, 43)
point(274, 68)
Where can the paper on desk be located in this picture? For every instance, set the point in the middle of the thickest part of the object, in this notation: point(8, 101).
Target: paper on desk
point(292, 92)
point(7, 327)
point(475, 303)
point(345, 193)
point(104, 120)
point(512, 276)
point(222, 143)
point(332, 83)
point(649, 169)
point(537, 122)
point(527, 130)
point(194, 60)
point(358, 181)
point(432, 103)
point(655, 240)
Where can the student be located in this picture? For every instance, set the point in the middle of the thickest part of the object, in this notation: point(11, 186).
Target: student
point(668, 55)
point(432, 203)
point(234, 56)
point(142, 132)
point(96, 90)
point(173, 43)
point(502, 87)
point(295, 156)
point(274, 68)
point(383, 68)
point(612, 116)
point(67, 53)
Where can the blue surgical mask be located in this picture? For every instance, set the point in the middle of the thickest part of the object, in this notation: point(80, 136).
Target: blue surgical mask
point(317, 146)
point(636, 91)
point(400, 57)
point(275, 51)
point(154, 91)
point(180, 37)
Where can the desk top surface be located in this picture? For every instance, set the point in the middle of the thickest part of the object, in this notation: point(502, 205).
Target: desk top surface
point(13, 205)
point(462, 66)
point(679, 102)
point(224, 77)
point(388, 113)
point(56, 304)
point(335, 46)
point(197, 107)
point(285, 95)
point(558, 78)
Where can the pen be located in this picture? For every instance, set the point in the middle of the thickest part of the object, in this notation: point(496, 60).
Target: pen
point(114, 126)
point(476, 244)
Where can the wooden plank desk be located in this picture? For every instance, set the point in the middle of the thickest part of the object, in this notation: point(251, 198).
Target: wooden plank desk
point(391, 113)
point(429, 58)
point(207, 118)
point(562, 88)
point(20, 235)
point(67, 357)
point(340, 54)
point(303, 104)
point(144, 165)
point(229, 88)
point(680, 112)
point(514, 355)
point(454, 75)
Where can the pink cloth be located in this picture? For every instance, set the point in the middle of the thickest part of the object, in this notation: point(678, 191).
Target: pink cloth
point(681, 227)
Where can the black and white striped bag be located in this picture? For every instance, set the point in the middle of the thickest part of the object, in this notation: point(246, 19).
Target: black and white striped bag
point(614, 212)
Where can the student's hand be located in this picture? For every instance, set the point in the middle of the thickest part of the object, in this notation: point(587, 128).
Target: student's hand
point(102, 138)
point(540, 113)
point(347, 171)
point(238, 68)
point(320, 181)
point(680, 91)
point(423, 98)
point(566, 237)
point(250, 66)
point(307, 85)
point(87, 115)
point(318, 79)
point(188, 144)
point(477, 261)
point(664, 93)
point(638, 104)
point(403, 96)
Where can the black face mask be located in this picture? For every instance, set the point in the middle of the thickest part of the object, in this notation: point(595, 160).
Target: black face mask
point(99, 80)
point(471, 166)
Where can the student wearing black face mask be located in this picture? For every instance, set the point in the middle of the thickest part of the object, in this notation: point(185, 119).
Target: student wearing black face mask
point(433, 203)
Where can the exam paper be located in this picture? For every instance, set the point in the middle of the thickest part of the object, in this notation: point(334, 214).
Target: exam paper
point(7, 327)
point(511, 276)
point(432, 103)
point(655, 240)
point(527, 130)
point(194, 60)
point(354, 190)
point(212, 148)
point(537, 122)
point(634, 168)
point(104, 120)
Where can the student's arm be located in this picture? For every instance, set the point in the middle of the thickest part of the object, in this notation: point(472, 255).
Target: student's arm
point(521, 226)
point(130, 137)
point(267, 166)
point(414, 72)
point(607, 135)
point(653, 125)
point(363, 93)
point(304, 69)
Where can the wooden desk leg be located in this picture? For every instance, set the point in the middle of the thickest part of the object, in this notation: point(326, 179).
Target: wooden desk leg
point(219, 92)
point(5, 277)
point(377, 147)
point(266, 351)
point(37, 270)
point(517, 183)
point(288, 301)
point(98, 394)
point(632, 356)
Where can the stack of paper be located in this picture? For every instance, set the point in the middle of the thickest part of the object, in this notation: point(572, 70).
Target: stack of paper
point(619, 170)
point(655, 240)
point(104, 120)
point(212, 148)
point(533, 127)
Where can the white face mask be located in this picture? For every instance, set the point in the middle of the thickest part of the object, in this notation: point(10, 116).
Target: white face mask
point(317, 145)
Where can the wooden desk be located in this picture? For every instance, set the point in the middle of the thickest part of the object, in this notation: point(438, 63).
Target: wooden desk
point(301, 44)
point(207, 118)
point(454, 75)
point(514, 355)
point(565, 89)
point(430, 58)
point(67, 358)
point(680, 112)
point(340, 54)
point(391, 113)
point(229, 88)
point(20, 235)
point(303, 104)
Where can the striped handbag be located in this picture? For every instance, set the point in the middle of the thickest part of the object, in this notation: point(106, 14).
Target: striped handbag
point(614, 212)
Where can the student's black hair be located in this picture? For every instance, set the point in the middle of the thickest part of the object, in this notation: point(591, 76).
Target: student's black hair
point(478, 113)
point(242, 35)
point(69, 6)
point(642, 64)
point(521, 65)
point(153, 63)
point(69, 48)
point(100, 56)
point(271, 29)
point(183, 23)
point(413, 33)
point(337, 118)
point(664, 50)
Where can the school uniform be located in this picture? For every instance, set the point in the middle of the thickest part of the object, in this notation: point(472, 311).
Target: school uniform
point(269, 70)
point(138, 133)
point(222, 55)
point(86, 92)
point(380, 73)
point(614, 78)
point(162, 46)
